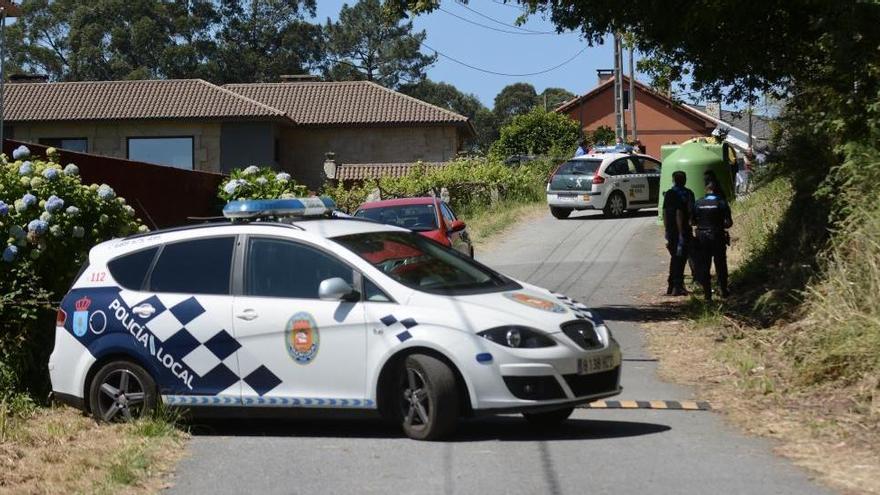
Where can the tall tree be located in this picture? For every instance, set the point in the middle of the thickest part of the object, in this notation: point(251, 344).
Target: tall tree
point(363, 44)
point(514, 99)
point(262, 40)
point(553, 97)
point(449, 97)
point(110, 39)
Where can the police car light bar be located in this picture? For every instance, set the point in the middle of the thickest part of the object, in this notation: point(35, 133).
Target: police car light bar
point(261, 208)
point(620, 148)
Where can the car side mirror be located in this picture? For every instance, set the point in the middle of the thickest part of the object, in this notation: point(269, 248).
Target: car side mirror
point(336, 289)
point(457, 226)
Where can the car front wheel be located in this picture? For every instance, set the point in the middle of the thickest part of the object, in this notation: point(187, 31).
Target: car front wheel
point(549, 418)
point(428, 398)
point(560, 213)
point(121, 391)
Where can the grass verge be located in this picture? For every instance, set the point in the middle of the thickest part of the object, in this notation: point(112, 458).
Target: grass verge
point(802, 367)
point(486, 223)
point(58, 450)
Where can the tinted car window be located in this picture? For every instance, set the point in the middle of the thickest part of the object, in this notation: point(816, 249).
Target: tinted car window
point(130, 270)
point(413, 217)
point(447, 212)
point(579, 167)
point(279, 268)
point(617, 168)
point(373, 293)
point(649, 166)
point(199, 266)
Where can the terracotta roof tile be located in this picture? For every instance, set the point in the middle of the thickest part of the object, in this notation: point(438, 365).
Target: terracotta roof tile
point(346, 103)
point(363, 171)
point(130, 100)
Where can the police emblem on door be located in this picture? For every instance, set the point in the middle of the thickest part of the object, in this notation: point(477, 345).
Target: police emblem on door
point(81, 316)
point(302, 338)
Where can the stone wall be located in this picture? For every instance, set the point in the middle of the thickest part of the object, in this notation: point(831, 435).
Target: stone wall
point(303, 149)
point(109, 138)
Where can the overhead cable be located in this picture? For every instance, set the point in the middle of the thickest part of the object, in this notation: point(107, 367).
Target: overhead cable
point(484, 26)
point(484, 16)
point(487, 71)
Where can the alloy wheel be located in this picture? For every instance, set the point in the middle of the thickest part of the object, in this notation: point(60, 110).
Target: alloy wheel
point(121, 396)
point(616, 205)
point(416, 403)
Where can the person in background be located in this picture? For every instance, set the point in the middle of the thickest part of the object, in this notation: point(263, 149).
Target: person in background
point(678, 207)
point(712, 218)
point(582, 148)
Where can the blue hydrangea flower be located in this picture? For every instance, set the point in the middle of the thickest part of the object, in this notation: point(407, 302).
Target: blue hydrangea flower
point(253, 169)
point(26, 168)
point(282, 177)
point(21, 152)
point(10, 253)
point(72, 211)
point(71, 169)
point(54, 203)
point(78, 232)
point(106, 192)
point(38, 227)
point(29, 200)
point(50, 173)
point(233, 186)
point(4, 209)
point(261, 181)
point(17, 232)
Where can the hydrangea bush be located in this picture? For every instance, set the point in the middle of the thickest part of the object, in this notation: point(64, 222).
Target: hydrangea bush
point(260, 183)
point(48, 222)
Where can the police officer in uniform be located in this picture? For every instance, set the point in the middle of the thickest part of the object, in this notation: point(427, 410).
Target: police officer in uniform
point(678, 207)
point(712, 218)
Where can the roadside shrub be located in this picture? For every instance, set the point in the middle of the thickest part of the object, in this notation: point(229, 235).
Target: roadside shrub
point(260, 183)
point(49, 221)
point(538, 132)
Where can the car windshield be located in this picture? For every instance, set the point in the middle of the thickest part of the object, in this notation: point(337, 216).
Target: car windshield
point(579, 167)
point(425, 265)
point(414, 217)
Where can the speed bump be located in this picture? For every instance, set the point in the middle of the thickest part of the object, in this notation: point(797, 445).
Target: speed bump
point(673, 405)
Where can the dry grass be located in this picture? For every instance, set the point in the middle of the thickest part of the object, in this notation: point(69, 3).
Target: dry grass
point(58, 450)
point(486, 225)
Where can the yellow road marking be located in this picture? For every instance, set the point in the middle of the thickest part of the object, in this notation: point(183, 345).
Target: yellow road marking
point(658, 404)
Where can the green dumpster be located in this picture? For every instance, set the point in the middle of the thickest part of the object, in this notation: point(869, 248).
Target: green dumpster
point(695, 158)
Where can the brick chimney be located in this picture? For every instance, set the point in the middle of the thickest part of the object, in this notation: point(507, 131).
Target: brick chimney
point(604, 74)
point(713, 109)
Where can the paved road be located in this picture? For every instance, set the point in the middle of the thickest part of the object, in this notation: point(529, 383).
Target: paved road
point(601, 262)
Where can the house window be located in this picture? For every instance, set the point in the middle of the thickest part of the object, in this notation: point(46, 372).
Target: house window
point(70, 144)
point(626, 99)
point(170, 151)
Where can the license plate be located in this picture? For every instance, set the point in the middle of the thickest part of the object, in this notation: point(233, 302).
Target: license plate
point(560, 197)
point(595, 364)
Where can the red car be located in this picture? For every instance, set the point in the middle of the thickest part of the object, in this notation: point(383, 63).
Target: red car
point(428, 216)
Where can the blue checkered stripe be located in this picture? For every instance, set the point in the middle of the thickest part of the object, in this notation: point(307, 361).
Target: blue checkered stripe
point(392, 323)
point(191, 335)
point(191, 400)
point(581, 311)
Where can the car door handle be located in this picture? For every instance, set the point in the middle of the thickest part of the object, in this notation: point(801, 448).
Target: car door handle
point(247, 315)
point(625, 180)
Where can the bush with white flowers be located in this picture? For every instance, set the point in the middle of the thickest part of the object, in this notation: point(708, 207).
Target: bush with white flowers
point(48, 222)
point(260, 183)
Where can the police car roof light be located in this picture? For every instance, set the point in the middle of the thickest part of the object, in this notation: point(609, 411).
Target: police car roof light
point(261, 208)
point(620, 148)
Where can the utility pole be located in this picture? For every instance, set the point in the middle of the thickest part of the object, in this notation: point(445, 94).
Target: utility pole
point(7, 9)
point(620, 131)
point(632, 94)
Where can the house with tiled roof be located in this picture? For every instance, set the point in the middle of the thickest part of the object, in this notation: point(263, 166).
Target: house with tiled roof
point(193, 124)
point(660, 119)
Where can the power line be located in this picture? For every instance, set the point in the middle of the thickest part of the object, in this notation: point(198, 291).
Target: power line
point(487, 71)
point(484, 16)
point(507, 31)
point(506, 4)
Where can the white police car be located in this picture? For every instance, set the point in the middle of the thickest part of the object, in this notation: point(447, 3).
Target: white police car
point(320, 313)
point(611, 179)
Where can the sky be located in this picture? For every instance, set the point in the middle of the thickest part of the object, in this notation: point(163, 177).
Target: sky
point(499, 51)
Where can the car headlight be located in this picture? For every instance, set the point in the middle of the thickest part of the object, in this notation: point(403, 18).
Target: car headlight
point(517, 337)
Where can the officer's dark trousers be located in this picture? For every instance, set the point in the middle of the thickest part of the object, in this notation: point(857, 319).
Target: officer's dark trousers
point(711, 246)
point(676, 265)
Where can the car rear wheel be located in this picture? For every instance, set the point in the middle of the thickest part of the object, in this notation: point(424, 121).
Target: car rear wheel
point(428, 398)
point(549, 418)
point(560, 213)
point(616, 205)
point(121, 391)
